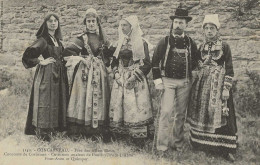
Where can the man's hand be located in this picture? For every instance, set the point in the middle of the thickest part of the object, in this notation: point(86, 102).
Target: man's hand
point(159, 86)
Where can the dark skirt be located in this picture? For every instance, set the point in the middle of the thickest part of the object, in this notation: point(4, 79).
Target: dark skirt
point(48, 100)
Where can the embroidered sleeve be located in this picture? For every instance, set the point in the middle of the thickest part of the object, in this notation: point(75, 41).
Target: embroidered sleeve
point(31, 54)
point(157, 58)
point(229, 67)
point(146, 67)
point(228, 82)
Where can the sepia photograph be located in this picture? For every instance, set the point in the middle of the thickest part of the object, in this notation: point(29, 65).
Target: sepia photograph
point(123, 82)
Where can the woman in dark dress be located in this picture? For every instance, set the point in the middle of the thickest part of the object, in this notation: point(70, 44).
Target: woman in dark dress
point(211, 112)
point(87, 58)
point(48, 101)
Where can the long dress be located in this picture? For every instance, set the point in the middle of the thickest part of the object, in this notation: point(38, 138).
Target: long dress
point(90, 93)
point(49, 95)
point(130, 110)
point(211, 128)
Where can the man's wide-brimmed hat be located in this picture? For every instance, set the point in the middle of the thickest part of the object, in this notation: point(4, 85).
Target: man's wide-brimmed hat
point(181, 13)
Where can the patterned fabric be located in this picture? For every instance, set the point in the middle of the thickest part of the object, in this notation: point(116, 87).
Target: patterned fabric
point(90, 93)
point(130, 110)
point(206, 104)
point(89, 99)
point(210, 140)
point(228, 82)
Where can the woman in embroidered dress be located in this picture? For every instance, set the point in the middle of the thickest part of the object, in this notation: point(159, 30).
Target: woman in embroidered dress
point(130, 109)
point(87, 59)
point(211, 113)
point(49, 96)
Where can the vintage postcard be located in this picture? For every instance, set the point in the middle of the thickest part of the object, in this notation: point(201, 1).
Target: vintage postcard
point(124, 82)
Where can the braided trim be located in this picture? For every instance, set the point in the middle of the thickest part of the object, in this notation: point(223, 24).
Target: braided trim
point(214, 143)
point(214, 135)
point(138, 73)
point(79, 47)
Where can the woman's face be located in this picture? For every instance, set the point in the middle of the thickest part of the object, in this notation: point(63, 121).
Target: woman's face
point(126, 27)
point(210, 31)
point(52, 23)
point(91, 23)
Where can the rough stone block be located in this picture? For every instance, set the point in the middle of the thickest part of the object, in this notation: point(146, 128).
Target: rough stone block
point(15, 45)
point(111, 20)
point(17, 21)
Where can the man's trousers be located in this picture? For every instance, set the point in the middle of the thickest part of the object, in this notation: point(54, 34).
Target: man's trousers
point(174, 103)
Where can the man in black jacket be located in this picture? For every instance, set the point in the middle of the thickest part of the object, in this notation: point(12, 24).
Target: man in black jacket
point(173, 61)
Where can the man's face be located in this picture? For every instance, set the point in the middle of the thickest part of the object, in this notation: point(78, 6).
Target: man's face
point(91, 23)
point(179, 25)
point(210, 31)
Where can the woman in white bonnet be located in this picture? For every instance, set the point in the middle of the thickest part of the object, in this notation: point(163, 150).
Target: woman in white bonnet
point(87, 59)
point(211, 112)
point(130, 109)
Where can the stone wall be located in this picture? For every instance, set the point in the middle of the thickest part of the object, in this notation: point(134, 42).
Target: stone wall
point(240, 25)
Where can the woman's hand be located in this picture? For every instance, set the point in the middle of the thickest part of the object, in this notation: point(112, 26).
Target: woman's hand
point(72, 60)
point(225, 94)
point(47, 61)
point(118, 79)
point(130, 83)
point(86, 62)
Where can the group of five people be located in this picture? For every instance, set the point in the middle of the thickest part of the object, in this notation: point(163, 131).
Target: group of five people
point(71, 89)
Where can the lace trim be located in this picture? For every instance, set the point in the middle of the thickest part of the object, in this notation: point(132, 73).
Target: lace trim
point(217, 47)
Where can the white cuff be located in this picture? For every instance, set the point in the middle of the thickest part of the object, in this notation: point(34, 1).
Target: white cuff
point(157, 81)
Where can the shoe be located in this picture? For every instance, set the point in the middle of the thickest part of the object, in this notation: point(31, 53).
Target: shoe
point(230, 157)
point(178, 149)
point(106, 138)
point(161, 154)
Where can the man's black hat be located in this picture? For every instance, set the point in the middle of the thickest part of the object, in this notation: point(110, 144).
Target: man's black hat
point(181, 13)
